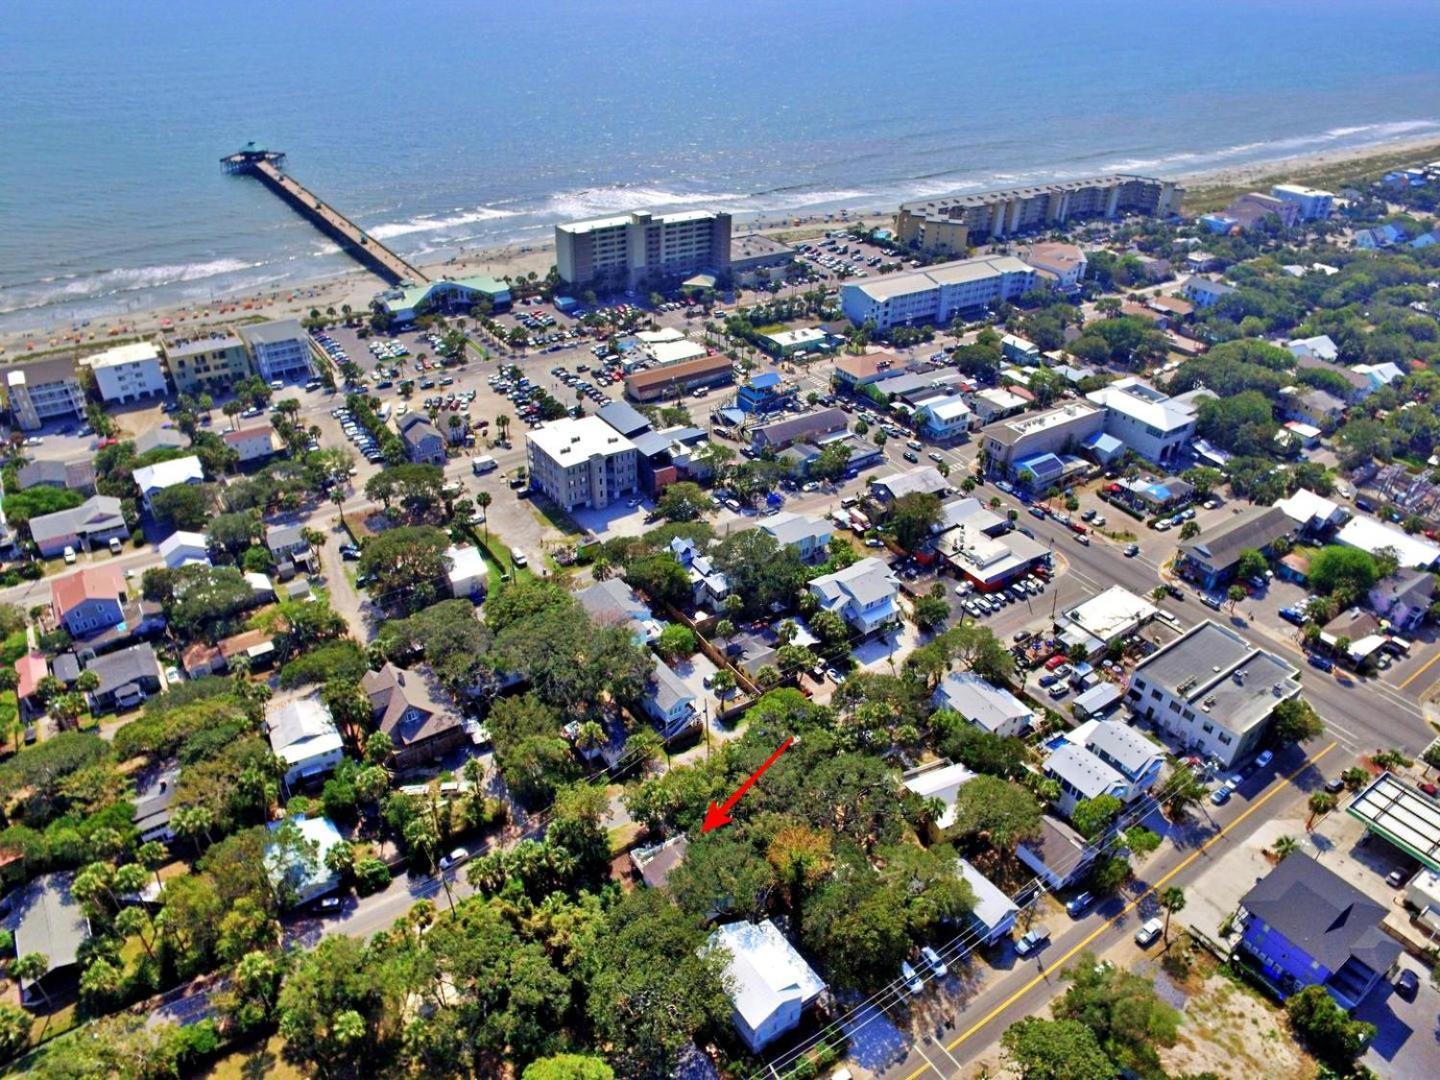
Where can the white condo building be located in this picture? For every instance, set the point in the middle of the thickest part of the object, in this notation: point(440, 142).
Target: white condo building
point(280, 349)
point(128, 373)
point(630, 248)
point(1152, 424)
point(936, 294)
point(581, 463)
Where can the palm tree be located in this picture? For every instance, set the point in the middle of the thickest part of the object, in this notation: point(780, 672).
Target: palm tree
point(1320, 804)
point(589, 736)
point(503, 423)
point(1285, 845)
point(600, 568)
point(1355, 778)
point(1172, 900)
point(483, 500)
point(31, 968)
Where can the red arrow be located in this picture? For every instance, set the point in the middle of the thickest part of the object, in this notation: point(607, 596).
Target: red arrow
point(717, 816)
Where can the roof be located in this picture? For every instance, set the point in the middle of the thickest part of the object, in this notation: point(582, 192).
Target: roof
point(959, 272)
point(284, 536)
point(104, 582)
point(678, 372)
point(1061, 258)
point(803, 336)
point(1083, 771)
point(1403, 815)
point(666, 353)
point(924, 480)
point(666, 689)
point(865, 582)
point(273, 332)
point(137, 352)
point(799, 427)
point(949, 408)
point(1144, 404)
point(35, 373)
point(868, 365)
point(1221, 674)
point(32, 667)
point(1099, 697)
point(1121, 744)
point(46, 919)
point(175, 350)
point(572, 440)
point(788, 528)
point(1322, 915)
point(1369, 534)
point(466, 562)
point(990, 707)
point(765, 972)
point(416, 428)
point(943, 781)
point(405, 706)
point(970, 512)
point(1011, 431)
point(245, 434)
point(656, 863)
point(624, 418)
point(66, 474)
point(97, 514)
point(1307, 508)
point(1057, 846)
point(152, 805)
point(135, 664)
point(182, 539)
point(299, 721)
point(1414, 588)
point(157, 438)
point(1322, 347)
point(1113, 612)
point(316, 878)
point(1256, 527)
point(992, 907)
point(166, 474)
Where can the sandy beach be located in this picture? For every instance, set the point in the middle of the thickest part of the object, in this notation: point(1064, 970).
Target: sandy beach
point(358, 287)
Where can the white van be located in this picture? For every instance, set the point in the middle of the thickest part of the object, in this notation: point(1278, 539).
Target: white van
point(518, 557)
point(482, 465)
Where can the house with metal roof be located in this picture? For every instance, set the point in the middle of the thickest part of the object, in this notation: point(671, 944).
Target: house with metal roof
point(181, 548)
point(926, 480)
point(770, 984)
point(993, 914)
point(1128, 752)
point(992, 708)
point(938, 780)
point(45, 918)
point(1304, 925)
point(670, 703)
point(1211, 557)
point(1082, 776)
point(303, 735)
point(864, 594)
point(153, 479)
point(303, 875)
point(808, 537)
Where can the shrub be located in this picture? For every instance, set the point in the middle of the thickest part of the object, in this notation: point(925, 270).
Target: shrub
point(371, 875)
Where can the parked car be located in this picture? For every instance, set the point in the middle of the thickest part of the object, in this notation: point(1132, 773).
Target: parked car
point(1266, 756)
point(1032, 941)
point(1335, 785)
point(1220, 796)
point(931, 957)
point(1078, 905)
point(911, 979)
point(455, 858)
point(69, 554)
point(1149, 931)
point(1408, 984)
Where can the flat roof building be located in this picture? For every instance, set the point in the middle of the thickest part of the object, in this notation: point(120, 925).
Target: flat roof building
point(211, 364)
point(1212, 690)
point(128, 373)
point(582, 462)
point(937, 294)
point(1057, 431)
point(679, 378)
point(44, 390)
point(280, 350)
point(629, 249)
point(1149, 422)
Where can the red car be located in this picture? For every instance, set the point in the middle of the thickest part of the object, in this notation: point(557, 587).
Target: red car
point(1429, 789)
point(1055, 661)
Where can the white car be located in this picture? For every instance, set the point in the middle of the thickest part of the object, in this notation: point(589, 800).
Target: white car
point(455, 858)
point(912, 980)
point(931, 957)
point(1149, 933)
point(69, 554)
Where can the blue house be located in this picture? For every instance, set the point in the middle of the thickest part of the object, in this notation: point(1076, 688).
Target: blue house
point(1305, 926)
point(765, 393)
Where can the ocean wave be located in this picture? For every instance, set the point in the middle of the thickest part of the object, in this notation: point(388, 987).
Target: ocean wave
point(77, 288)
point(1270, 149)
point(430, 223)
point(622, 198)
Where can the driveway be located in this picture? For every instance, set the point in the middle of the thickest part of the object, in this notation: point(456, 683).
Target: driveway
point(1407, 1036)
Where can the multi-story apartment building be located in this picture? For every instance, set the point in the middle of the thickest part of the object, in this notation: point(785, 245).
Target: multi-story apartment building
point(936, 294)
point(279, 349)
point(1023, 437)
point(1149, 422)
point(207, 365)
point(128, 373)
point(43, 391)
point(1213, 691)
point(581, 463)
point(936, 225)
point(640, 246)
point(1315, 205)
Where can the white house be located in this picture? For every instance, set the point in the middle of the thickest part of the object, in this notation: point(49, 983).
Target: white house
point(939, 780)
point(468, 575)
point(809, 537)
point(1203, 292)
point(251, 443)
point(668, 700)
point(153, 479)
point(1148, 421)
point(994, 913)
point(303, 735)
point(989, 707)
point(182, 548)
point(128, 373)
point(771, 985)
point(1322, 347)
point(945, 419)
point(863, 594)
point(306, 876)
point(1379, 375)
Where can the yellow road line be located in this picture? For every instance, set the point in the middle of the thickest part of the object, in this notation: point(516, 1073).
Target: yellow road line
point(1055, 967)
point(1421, 671)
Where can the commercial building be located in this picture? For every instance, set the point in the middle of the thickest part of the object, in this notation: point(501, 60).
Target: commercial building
point(925, 480)
point(937, 294)
point(642, 247)
point(1315, 205)
point(991, 708)
point(581, 463)
point(1211, 558)
point(991, 562)
point(1151, 423)
point(43, 391)
point(755, 257)
point(1369, 534)
point(782, 433)
point(680, 378)
point(1060, 430)
point(279, 349)
point(207, 365)
point(766, 393)
point(405, 305)
point(854, 371)
point(935, 224)
point(1212, 691)
point(1313, 514)
point(1403, 815)
point(1113, 614)
point(1304, 925)
point(128, 373)
point(769, 983)
point(945, 420)
point(808, 339)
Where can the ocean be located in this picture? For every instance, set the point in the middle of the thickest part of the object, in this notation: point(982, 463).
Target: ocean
point(450, 124)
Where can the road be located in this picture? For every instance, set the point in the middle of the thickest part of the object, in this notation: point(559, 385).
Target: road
point(1026, 988)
